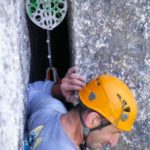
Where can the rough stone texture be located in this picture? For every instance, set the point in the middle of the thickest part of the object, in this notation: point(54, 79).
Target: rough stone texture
point(14, 71)
point(113, 36)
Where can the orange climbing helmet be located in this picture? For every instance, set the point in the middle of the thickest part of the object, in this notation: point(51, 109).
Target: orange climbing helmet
point(111, 97)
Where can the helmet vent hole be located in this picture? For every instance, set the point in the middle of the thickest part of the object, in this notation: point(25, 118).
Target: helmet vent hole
point(124, 103)
point(92, 96)
point(96, 79)
point(98, 84)
point(124, 117)
point(119, 96)
point(127, 109)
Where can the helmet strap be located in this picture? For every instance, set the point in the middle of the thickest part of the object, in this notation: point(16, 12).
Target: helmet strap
point(103, 125)
point(86, 130)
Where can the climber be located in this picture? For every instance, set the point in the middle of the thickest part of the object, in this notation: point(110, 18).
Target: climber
point(106, 108)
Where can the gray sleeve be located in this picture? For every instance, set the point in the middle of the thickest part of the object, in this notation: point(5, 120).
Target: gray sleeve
point(38, 94)
point(40, 86)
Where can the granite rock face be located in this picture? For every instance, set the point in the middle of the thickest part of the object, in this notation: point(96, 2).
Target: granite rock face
point(14, 72)
point(113, 36)
point(107, 36)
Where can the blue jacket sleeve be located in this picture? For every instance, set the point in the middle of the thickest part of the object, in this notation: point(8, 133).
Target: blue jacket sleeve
point(39, 93)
